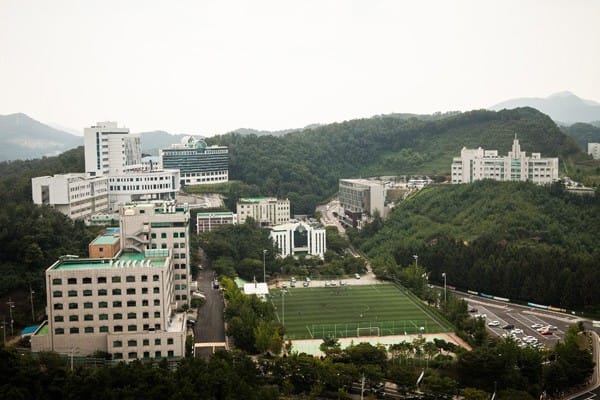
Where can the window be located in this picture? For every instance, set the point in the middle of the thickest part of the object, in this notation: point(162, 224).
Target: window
point(132, 355)
point(87, 280)
point(132, 328)
point(130, 278)
point(181, 234)
point(155, 278)
point(88, 329)
point(117, 343)
point(156, 314)
point(87, 292)
point(153, 235)
point(59, 331)
point(146, 327)
point(157, 342)
point(175, 234)
point(116, 292)
point(58, 306)
point(170, 341)
point(72, 306)
point(170, 353)
point(57, 281)
point(74, 330)
point(144, 278)
point(103, 304)
point(73, 318)
point(88, 304)
point(118, 328)
point(117, 304)
point(101, 279)
point(144, 290)
point(177, 277)
point(131, 315)
point(102, 292)
point(146, 354)
point(157, 327)
point(72, 281)
point(157, 354)
point(88, 317)
point(163, 235)
point(145, 303)
point(103, 329)
point(131, 303)
point(118, 356)
point(116, 279)
point(130, 290)
point(156, 290)
point(157, 302)
point(59, 318)
point(103, 317)
point(131, 343)
point(72, 293)
point(163, 246)
point(145, 315)
point(117, 316)
point(57, 293)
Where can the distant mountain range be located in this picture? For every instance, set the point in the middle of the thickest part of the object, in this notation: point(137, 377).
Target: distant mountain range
point(564, 108)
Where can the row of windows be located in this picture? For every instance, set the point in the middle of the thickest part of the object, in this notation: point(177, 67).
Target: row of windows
point(103, 329)
point(132, 355)
point(104, 304)
point(104, 317)
point(163, 235)
point(145, 342)
point(103, 292)
point(102, 279)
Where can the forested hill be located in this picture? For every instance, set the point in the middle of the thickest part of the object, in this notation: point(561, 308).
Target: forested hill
point(306, 166)
point(512, 239)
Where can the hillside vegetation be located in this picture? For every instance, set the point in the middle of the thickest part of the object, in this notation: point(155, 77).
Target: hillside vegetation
point(305, 166)
point(512, 239)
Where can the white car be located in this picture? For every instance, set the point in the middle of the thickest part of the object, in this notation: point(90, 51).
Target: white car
point(494, 323)
point(517, 331)
point(536, 326)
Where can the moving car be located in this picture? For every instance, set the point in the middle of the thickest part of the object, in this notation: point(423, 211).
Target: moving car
point(508, 326)
point(494, 323)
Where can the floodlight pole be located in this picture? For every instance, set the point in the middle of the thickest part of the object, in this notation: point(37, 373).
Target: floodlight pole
point(264, 266)
point(416, 257)
point(445, 297)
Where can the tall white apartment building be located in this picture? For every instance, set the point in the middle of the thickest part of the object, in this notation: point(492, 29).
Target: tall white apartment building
point(266, 211)
point(123, 306)
point(160, 226)
point(594, 150)
point(110, 150)
point(294, 239)
point(76, 195)
point(477, 164)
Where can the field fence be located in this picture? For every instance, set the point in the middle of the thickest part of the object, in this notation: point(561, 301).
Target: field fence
point(370, 328)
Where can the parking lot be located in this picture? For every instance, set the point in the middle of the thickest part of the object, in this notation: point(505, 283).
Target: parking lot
point(527, 326)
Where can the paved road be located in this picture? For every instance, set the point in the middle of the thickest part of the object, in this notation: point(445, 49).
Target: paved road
point(210, 326)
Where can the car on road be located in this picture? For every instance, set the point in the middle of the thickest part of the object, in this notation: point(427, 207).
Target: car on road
point(536, 326)
point(508, 326)
point(552, 328)
point(545, 332)
point(357, 276)
point(305, 284)
point(472, 309)
point(494, 323)
point(517, 331)
point(190, 322)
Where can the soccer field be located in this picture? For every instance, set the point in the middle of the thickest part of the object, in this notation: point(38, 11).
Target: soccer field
point(352, 311)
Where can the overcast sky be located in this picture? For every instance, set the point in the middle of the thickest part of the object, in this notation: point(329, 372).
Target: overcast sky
point(208, 67)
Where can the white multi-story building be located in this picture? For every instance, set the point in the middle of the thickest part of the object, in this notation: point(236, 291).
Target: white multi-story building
point(299, 238)
point(110, 150)
point(477, 164)
point(266, 211)
point(142, 185)
point(198, 163)
point(206, 222)
point(594, 150)
point(76, 195)
point(360, 199)
point(124, 306)
point(160, 226)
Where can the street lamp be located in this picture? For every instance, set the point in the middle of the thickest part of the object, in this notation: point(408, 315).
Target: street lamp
point(264, 266)
point(445, 297)
point(416, 257)
point(283, 292)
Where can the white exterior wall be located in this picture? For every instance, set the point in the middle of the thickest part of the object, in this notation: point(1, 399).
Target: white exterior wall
point(75, 195)
point(594, 150)
point(145, 304)
point(143, 186)
point(161, 225)
point(265, 211)
point(283, 238)
point(477, 164)
point(111, 150)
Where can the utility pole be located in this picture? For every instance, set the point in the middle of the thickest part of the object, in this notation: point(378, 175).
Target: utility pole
point(11, 305)
point(31, 293)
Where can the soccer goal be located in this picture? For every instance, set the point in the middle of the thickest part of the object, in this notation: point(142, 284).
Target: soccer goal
point(369, 331)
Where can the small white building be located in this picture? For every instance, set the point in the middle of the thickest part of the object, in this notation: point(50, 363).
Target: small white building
point(77, 195)
point(299, 238)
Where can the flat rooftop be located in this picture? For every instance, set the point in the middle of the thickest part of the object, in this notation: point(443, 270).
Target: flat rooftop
point(152, 258)
point(105, 240)
point(256, 199)
point(215, 214)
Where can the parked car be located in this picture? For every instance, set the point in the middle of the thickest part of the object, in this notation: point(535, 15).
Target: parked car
point(357, 276)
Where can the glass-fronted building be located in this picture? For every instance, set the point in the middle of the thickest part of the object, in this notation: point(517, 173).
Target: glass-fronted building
point(198, 163)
